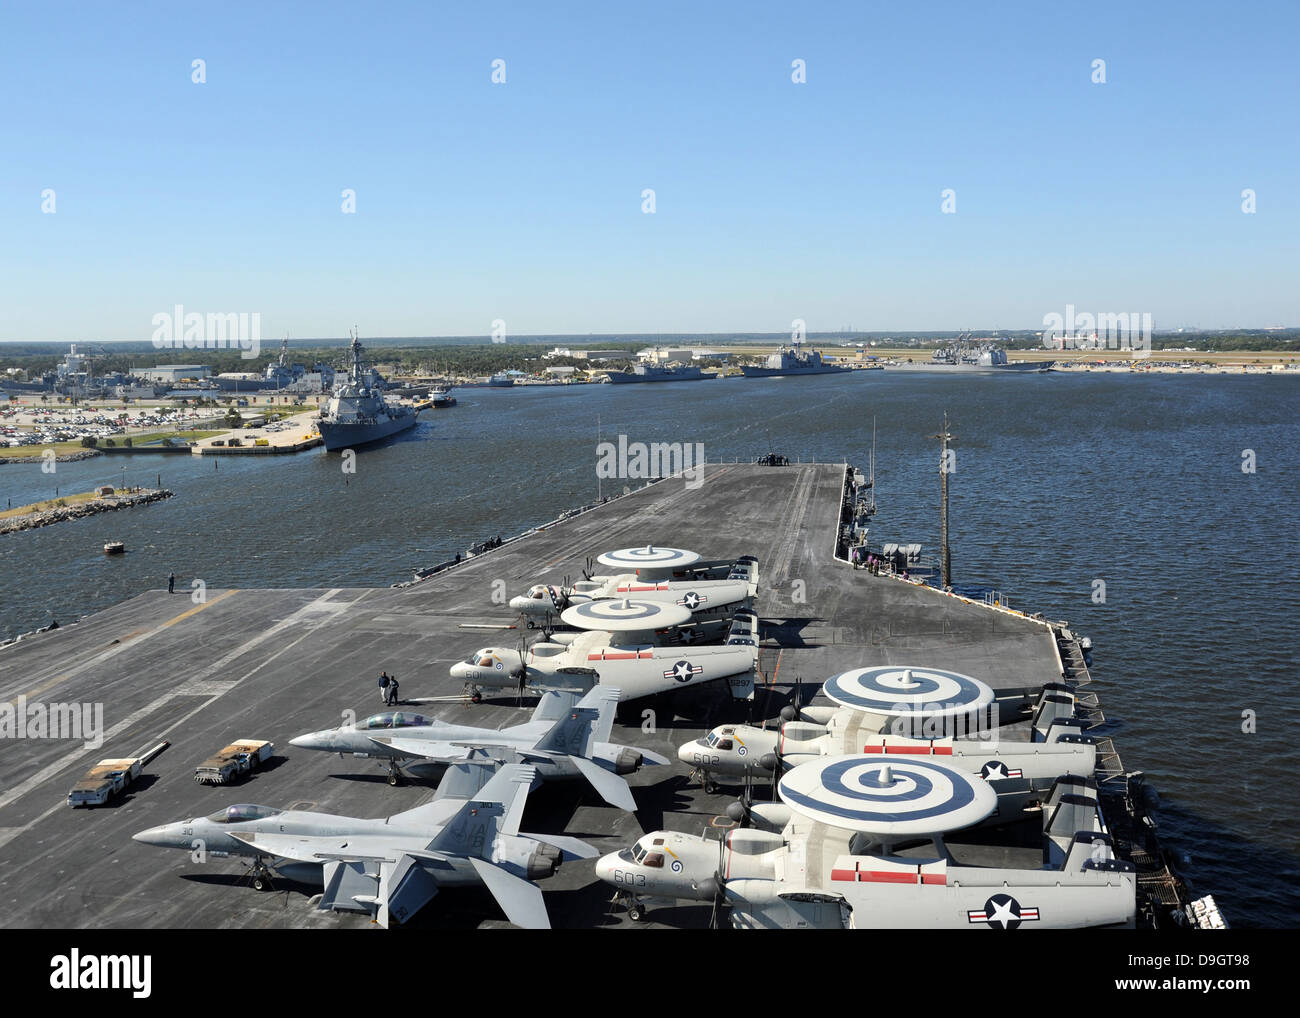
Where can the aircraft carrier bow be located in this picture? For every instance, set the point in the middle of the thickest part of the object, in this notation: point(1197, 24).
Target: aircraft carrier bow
point(272, 664)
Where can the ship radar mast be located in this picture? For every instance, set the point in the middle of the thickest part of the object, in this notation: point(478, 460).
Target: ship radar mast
point(356, 355)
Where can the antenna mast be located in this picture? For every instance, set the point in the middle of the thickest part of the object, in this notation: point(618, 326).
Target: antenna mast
point(945, 468)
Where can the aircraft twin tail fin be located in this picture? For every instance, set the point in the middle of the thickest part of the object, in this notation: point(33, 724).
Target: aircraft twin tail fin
point(603, 699)
point(572, 734)
point(496, 809)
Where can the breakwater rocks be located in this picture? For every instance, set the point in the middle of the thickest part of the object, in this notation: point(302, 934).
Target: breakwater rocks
point(59, 513)
point(67, 457)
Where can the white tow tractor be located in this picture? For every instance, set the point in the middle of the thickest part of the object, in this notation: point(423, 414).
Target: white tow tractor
point(103, 781)
point(238, 758)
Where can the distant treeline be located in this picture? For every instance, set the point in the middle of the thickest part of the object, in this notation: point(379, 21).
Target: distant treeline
point(450, 355)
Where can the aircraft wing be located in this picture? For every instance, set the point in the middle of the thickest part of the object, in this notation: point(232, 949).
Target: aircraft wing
point(424, 749)
point(519, 899)
point(306, 848)
point(612, 788)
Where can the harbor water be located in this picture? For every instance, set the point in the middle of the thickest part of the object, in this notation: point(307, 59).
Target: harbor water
point(1119, 503)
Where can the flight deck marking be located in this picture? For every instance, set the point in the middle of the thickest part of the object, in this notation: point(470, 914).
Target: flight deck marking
point(130, 641)
point(50, 770)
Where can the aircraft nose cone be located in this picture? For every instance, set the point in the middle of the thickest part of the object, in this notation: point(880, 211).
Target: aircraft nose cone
point(312, 740)
point(160, 836)
point(460, 671)
point(605, 867)
point(521, 603)
point(686, 753)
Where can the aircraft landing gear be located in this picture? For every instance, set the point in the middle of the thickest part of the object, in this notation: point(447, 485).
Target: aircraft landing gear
point(706, 782)
point(394, 775)
point(261, 875)
point(635, 909)
point(472, 691)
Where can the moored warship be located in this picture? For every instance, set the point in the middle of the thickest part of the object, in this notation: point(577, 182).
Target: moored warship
point(655, 373)
point(964, 355)
point(793, 360)
point(357, 412)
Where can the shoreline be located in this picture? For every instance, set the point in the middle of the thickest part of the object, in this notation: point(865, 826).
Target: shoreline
point(59, 514)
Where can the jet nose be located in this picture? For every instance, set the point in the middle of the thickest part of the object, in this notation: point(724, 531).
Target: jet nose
point(161, 836)
point(313, 740)
point(460, 670)
point(521, 603)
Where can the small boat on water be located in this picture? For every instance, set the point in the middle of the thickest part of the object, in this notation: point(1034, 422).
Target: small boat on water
point(114, 547)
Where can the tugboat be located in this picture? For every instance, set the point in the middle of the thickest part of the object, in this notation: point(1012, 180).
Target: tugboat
point(357, 412)
point(793, 361)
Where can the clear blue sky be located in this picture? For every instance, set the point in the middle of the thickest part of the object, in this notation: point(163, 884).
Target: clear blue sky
point(522, 201)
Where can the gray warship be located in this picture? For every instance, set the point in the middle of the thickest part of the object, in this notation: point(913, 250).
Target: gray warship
point(964, 355)
point(793, 360)
point(357, 412)
point(643, 372)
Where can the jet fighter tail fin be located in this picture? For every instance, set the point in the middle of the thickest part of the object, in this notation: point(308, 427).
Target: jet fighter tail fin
point(572, 734)
point(496, 809)
point(604, 699)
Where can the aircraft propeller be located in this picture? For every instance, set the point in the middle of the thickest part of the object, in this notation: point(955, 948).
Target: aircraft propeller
point(719, 884)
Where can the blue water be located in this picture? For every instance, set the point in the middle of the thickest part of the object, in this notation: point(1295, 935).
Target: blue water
point(1060, 480)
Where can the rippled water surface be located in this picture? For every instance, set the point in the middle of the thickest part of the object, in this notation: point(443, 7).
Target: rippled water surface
point(1061, 480)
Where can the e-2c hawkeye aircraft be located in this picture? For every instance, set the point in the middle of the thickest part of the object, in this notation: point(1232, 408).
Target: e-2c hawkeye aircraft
point(618, 645)
point(670, 575)
point(858, 842)
point(1055, 744)
point(566, 738)
point(392, 866)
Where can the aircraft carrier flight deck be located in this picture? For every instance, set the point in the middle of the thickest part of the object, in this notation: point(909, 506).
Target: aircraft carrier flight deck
point(270, 664)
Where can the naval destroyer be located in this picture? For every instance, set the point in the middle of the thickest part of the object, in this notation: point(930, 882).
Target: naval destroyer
point(357, 412)
point(964, 355)
point(793, 360)
point(655, 373)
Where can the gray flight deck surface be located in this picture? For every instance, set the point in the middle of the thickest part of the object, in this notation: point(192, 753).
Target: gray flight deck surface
point(272, 664)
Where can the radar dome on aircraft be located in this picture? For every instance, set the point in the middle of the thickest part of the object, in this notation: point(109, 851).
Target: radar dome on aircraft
point(898, 691)
point(649, 561)
point(887, 796)
point(625, 615)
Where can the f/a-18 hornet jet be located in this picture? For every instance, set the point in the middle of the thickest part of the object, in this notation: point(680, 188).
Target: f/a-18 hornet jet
point(391, 867)
point(566, 738)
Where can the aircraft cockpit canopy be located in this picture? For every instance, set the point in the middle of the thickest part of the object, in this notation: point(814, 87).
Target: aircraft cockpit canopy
point(653, 857)
point(243, 811)
point(538, 592)
point(722, 741)
point(395, 719)
point(480, 658)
